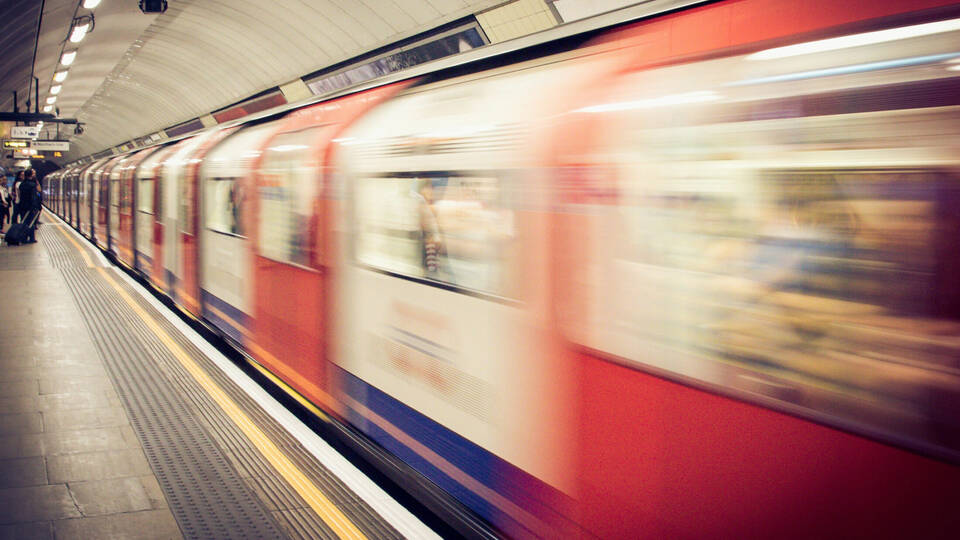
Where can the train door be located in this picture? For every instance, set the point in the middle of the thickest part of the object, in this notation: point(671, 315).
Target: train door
point(113, 206)
point(91, 186)
point(126, 236)
point(191, 197)
point(83, 201)
point(102, 206)
point(79, 196)
point(57, 192)
point(442, 302)
point(288, 299)
point(123, 234)
point(147, 223)
point(226, 280)
point(50, 192)
point(98, 194)
point(293, 250)
point(72, 197)
point(172, 175)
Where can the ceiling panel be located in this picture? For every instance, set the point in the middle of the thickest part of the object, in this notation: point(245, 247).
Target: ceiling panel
point(136, 74)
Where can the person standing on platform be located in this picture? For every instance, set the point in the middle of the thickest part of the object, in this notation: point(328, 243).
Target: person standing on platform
point(30, 203)
point(5, 202)
point(15, 218)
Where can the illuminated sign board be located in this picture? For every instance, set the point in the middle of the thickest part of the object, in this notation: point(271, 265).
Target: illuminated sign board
point(24, 132)
point(62, 146)
point(16, 144)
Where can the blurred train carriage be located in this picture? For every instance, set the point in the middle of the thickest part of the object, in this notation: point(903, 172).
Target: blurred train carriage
point(693, 275)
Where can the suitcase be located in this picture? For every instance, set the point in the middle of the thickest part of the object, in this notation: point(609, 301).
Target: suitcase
point(18, 232)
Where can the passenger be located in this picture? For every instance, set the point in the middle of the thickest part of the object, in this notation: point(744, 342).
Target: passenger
point(4, 203)
point(30, 203)
point(16, 198)
point(431, 240)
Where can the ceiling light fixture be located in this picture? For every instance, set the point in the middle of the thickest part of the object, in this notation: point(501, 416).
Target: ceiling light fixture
point(55, 89)
point(90, 4)
point(47, 108)
point(80, 26)
point(68, 57)
point(51, 100)
point(60, 76)
point(79, 32)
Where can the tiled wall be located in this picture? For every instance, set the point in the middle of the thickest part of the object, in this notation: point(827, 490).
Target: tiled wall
point(571, 10)
point(515, 19)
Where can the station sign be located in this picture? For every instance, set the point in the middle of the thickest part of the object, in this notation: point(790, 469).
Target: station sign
point(24, 132)
point(16, 144)
point(62, 146)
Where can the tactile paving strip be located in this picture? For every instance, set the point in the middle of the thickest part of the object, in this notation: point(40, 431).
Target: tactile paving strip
point(61, 253)
point(206, 495)
point(295, 517)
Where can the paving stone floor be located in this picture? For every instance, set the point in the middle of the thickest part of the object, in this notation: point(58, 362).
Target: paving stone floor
point(71, 466)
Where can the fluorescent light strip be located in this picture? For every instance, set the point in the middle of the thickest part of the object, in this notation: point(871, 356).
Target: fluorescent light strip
point(847, 70)
point(55, 89)
point(857, 40)
point(663, 101)
point(68, 58)
point(60, 76)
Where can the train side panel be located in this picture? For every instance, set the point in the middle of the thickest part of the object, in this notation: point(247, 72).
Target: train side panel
point(226, 265)
point(680, 184)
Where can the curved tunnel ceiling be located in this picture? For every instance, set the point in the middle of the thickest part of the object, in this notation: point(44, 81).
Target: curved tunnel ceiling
point(136, 73)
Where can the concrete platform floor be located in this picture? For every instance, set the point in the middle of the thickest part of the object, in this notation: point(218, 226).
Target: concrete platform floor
point(70, 463)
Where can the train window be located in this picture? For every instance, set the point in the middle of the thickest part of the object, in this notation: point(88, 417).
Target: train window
point(114, 191)
point(449, 228)
point(185, 206)
point(289, 203)
point(223, 200)
point(834, 289)
point(125, 197)
point(145, 195)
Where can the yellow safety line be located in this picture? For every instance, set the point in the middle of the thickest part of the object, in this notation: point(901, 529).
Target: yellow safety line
point(327, 511)
point(290, 391)
point(82, 251)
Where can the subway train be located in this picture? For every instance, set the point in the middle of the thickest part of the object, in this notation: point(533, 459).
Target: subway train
point(692, 275)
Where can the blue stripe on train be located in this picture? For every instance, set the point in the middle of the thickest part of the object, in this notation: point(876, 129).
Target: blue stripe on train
point(527, 492)
point(462, 453)
point(171, 281)
point(143, 261)
point(230, 311)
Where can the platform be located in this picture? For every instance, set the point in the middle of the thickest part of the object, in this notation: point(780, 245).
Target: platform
point(118, 421)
